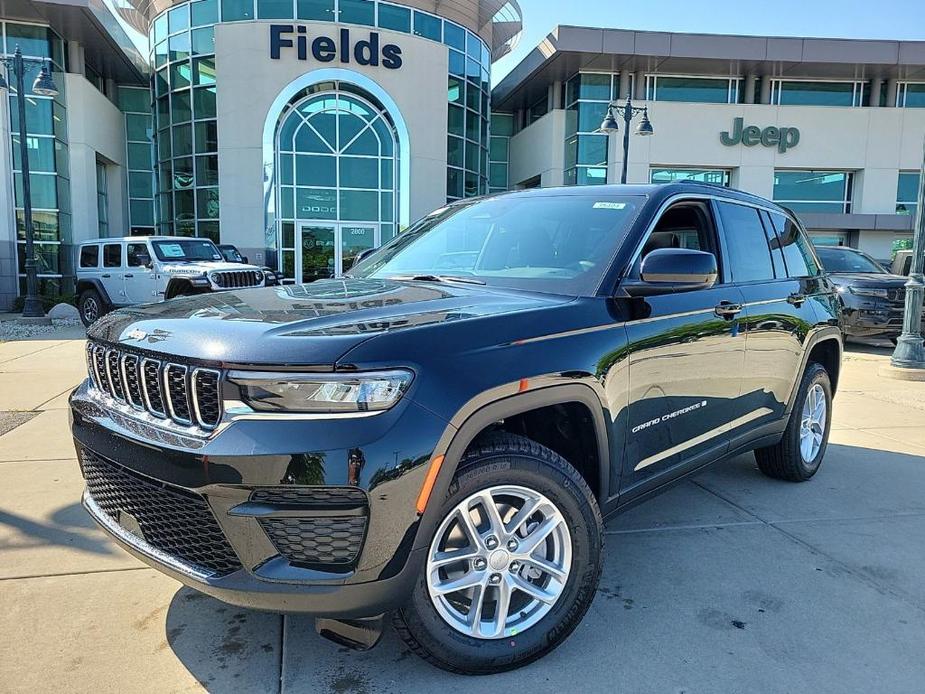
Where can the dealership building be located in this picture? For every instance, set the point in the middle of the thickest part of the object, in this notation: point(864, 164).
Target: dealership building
point(303, 131)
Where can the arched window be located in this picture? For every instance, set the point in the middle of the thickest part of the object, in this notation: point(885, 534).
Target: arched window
point(337, 179)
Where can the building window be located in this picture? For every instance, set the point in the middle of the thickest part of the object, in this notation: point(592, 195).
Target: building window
point(102, 200)
point(538, 110)
point(587, 96)
point(702, 90)
point(814, 191)
point(499, 152)
point(719, 177)
point(910, 94)
point(818, 93)
point(907, 193)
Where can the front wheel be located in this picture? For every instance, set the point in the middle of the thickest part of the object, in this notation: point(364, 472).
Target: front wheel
point(799, 454)
point(513, 565)
point(91, 307)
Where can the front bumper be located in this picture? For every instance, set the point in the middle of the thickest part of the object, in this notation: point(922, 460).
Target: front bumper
point(384, 456)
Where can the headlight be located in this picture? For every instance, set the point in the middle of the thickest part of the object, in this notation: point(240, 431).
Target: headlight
point(372, 391)
point(869, 291)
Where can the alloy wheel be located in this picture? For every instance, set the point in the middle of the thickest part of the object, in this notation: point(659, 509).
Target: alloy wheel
point(812, 423)
point(499, 562)
point(91, 309)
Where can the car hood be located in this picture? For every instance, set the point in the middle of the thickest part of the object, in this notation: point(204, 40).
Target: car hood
point(198, 268)
point(313, 324)
point(861, 279)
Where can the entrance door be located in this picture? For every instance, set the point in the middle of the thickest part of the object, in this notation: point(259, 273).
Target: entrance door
point(330, 249)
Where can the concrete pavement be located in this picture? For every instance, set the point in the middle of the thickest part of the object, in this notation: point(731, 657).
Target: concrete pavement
point(730, 582)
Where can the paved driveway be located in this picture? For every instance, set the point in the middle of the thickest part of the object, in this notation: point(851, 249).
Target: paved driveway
point(729, 583)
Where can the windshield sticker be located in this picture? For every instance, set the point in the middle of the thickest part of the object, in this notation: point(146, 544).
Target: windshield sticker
point(610, 206)
point(172, 250)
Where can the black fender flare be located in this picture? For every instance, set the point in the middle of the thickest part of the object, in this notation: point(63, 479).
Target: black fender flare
point(483, 411)
point(824, 334)
point(93, 283)
point(176, 283)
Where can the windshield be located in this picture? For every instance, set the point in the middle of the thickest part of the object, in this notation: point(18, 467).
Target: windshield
point(560, 244)
point(844, 260)
point(231, 254)
point(181, 249)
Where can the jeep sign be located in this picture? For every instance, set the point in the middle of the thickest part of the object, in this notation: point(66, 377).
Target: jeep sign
point(751, 135)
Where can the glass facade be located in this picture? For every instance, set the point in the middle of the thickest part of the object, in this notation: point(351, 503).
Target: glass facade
point(818, 93)
point(184, 90)
point(46, 141)
point(910, 94)
point(907, 193)
point(135, 103)
point(814, 191)
point(102, 200)
point(703, 90)
point(499, 152)
point(587, 96)
point(719, 177)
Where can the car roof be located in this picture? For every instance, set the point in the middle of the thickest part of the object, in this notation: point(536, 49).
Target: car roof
point(655, 191)
point(139, 239)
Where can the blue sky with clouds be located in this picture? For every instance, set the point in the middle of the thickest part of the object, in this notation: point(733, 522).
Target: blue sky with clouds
point(883, 19)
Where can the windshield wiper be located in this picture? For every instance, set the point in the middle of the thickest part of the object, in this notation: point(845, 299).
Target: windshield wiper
point(435, 278)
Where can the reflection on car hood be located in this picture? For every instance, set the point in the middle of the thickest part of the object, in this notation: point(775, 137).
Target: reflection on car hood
point(857, 279)
point(309, 324)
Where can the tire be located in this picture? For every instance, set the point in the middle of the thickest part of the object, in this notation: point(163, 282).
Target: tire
point(91, 307)
point(788, 460)
point(496, 465)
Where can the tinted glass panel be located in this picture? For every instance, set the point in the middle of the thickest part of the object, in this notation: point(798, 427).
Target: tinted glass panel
point(813, 191)
point(395, 18)
point(89, 256)
point(427, 26)
point(749, 255)
point(817, 93)
point(907, 193)
point(713, 91)
point(797, 253)
point(274, 9)
point(316, 9)
point(235, 10)
point(112, 255)
point(915, 96)
point(358, 12)
point(715, 176)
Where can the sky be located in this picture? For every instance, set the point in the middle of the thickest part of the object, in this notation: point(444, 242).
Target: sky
point(882, 19)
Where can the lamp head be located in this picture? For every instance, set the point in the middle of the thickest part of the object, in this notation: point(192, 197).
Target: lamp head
point(609, 124)
point(44, 85)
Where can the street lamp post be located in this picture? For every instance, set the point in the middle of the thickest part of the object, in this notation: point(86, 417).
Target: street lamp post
point(43, 86)
point(628, 112)
point(910, 353)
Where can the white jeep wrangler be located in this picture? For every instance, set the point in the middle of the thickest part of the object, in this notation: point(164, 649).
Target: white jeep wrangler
point(117, 272)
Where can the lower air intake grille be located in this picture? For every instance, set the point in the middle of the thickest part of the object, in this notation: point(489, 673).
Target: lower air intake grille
point(173, 520)
point(326, 544)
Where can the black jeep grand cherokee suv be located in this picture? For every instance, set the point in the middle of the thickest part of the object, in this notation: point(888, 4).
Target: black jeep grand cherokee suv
point(442, 434)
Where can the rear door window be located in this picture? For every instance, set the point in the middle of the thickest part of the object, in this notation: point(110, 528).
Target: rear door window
point(90, 256)
point(749, 254)
point(112, 255)
point(797, 252)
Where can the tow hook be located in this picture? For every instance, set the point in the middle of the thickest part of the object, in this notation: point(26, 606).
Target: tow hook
point(357, 634)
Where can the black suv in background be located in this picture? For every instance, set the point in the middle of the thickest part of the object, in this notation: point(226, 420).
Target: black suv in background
point(874, 300)
point(442, 434)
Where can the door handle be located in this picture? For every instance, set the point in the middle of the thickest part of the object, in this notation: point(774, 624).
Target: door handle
point(106, 276)
point(727, 309)
point(127, 276)
point(796, 299)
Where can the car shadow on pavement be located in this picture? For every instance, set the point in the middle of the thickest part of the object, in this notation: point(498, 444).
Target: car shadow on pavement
point(66, 527)
point(742, 574)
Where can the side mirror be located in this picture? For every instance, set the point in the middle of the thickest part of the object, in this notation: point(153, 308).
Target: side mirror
point(671, 270)
point(245, 260)
point(362, 255)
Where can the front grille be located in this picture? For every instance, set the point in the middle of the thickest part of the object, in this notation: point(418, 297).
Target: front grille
point(897, 295)
point(237, 279)
point(326, 544)
point(171, 519)
point(166, 390)
point(320, 496)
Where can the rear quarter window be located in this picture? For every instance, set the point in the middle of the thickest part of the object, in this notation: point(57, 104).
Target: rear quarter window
point(796, 247)
point(90, 256)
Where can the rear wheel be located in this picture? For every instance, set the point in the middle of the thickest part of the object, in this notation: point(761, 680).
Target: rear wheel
point(91, 307)
point(513, 565)
point(799, 454)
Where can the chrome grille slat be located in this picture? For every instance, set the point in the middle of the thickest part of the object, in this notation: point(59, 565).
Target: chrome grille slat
point(176, 389)
point(186, 395)
point(113, 373)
